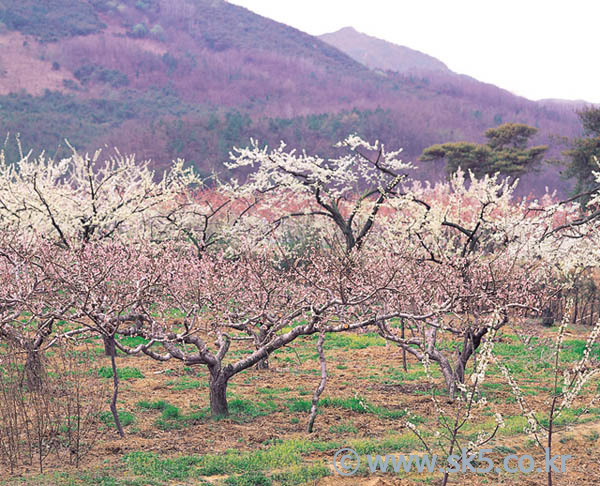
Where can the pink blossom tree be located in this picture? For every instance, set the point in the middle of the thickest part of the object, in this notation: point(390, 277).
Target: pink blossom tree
point(223, 300)
point(106, 285)
point(28, 310)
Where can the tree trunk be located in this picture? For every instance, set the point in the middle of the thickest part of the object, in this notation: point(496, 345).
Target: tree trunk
point(576, 307)
point(218, 393)
point(404, 366)
point(109, 346)
point(113, 403)
point(321, 387)
point(449, 377)
point(34, 369)
point(259, 341)
point(547, 317)
point(456, 376)
point(471, 343)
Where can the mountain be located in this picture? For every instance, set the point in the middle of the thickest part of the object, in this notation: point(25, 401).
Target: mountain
point(379, 54)
point(192, 78)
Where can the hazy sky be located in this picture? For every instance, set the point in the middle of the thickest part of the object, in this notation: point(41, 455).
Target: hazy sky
point(534, 48)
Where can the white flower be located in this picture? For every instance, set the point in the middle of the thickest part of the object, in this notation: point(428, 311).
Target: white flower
point(499, 420)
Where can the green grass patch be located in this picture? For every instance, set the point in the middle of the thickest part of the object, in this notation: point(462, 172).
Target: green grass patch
point(171, 417)
point(133, 341)
point(278, 456)
point(150, 465)
point(146, 405)
point(514, 425)
point(352, 341)
point(241, 409)
point(126, 418)
point(185, 383)
point(271, 392)
point(345, 428)
point(252, 478)
point(354, 404)
point(105, 477)
point(126, 373)
point(285, 457)
point(573, 350)
point(301, 475)
point(299, 405)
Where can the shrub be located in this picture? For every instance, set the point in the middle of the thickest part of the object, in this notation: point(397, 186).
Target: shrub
point(139, 31)
point(157, 32)
point(65, 18)
point(99, 74)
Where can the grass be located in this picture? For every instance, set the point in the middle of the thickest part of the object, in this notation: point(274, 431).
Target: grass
point(171, 417)
point(344, 428)
point(171, 412)
point(352, 341)
point(354, 404)
point(297, 476)
point(240, 410)
point(126, 418)
point(272, 392)
point(133, 341)
point(573, 350)
point(504, 450)
point(393, 443)
point(158, 405)
point(98, 478)
point(284, 457)
point(298, 405)
point(515, 425)
point(395, 375)
point(126, 373)
point(252, 478)
point(185, 383)
point(151, 465)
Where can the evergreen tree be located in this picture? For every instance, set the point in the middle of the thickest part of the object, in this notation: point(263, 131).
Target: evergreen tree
point(506, 152)
point(583, 150)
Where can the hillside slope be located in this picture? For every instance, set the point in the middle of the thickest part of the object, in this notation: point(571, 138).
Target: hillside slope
point(192, 78)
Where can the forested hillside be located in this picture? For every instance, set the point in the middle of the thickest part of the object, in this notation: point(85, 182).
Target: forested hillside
point(191, 78)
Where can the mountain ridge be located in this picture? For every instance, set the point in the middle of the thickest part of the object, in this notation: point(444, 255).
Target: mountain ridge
point(377, 53)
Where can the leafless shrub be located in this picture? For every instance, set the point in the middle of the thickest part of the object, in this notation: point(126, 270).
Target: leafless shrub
point(57, 417)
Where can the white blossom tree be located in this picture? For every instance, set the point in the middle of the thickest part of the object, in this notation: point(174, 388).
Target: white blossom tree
point(476, 255)
point(347, 191)
point(83, 198)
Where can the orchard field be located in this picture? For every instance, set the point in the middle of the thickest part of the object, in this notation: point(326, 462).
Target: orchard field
point(172, 440)
point(162, 329)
